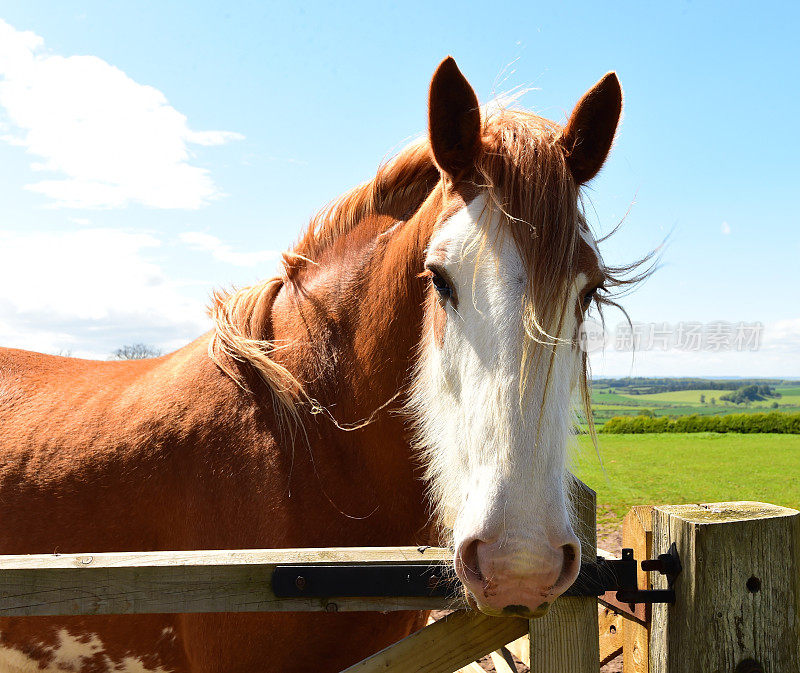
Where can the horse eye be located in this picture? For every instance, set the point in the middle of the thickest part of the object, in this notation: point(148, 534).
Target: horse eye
point(587, 298)
point(440, 284)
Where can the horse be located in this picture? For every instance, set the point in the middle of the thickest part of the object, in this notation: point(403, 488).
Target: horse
point(407, 377)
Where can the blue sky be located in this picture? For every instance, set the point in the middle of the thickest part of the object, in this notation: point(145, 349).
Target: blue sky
point(150, 152)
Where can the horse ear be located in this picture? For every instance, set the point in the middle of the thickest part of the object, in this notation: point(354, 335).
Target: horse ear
point(590, 130)
point(454, 119)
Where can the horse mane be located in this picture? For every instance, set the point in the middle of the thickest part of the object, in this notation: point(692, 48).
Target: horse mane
point(524, 171)
point(397, 190)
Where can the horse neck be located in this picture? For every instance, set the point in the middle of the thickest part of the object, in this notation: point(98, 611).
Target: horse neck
point(355, 319)
point(347, 331)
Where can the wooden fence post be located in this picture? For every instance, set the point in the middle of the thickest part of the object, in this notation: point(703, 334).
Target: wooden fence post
point(566, 639)
point(637, 534)
point(738, 596)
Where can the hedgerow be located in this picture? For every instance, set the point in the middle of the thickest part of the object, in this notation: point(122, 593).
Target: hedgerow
point(774, 421)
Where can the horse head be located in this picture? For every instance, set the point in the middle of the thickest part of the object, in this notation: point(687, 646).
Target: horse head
point(512, 268)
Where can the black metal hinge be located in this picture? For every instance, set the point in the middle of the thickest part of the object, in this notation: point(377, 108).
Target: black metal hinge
point(620, 576)
point(382, 579)
point(438, 580)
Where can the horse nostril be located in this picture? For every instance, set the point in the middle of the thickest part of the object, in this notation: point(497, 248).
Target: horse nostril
point(569, 564)
point(470, 565)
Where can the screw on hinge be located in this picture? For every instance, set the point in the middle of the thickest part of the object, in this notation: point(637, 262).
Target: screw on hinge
point(749, 666)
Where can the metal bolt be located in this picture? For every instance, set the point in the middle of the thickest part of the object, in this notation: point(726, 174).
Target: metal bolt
point(665, 564)
point(331, 607)
point(300, 582)
point(749, 666)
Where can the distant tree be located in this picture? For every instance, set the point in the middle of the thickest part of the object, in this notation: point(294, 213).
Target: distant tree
point(702, 399)
point(774, 405)
point(662, 385)
point(713, 401)
point(65, 353)
point(136, 352)
point(749, 393)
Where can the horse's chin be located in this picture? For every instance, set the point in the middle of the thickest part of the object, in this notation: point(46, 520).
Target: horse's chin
point(525, 613)
point(508, 611)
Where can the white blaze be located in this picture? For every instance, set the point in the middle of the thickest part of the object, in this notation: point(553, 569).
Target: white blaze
point(497, 462)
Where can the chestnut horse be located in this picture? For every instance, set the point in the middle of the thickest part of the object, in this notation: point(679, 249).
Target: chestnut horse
point(420, 336)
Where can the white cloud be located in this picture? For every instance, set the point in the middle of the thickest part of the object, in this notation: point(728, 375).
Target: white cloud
point(91, 291)
point(726, 228)
point(783, 338)
point(110, 140)
point(223, 252)
point(776, 354)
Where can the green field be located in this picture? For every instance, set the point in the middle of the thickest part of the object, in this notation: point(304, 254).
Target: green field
point(608, 402)
point(790, 394)
point(683, 468)
point(692, 397)
point(678, 396)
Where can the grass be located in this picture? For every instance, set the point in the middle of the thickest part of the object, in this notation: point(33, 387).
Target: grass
point(683, 468)
point(692, 397)
point(790, 392)
point(678, 396)
point(605, 397)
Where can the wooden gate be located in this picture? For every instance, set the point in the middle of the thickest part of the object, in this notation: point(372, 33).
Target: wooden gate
point(737, 603)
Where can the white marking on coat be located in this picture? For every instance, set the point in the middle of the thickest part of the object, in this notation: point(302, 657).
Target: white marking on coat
point(70, 656)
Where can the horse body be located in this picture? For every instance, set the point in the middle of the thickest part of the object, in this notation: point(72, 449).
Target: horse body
point(171, 454)
point(421, 335)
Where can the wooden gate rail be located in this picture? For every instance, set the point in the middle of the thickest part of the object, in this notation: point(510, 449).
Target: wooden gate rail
point(454, 641)
point(192, 581)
